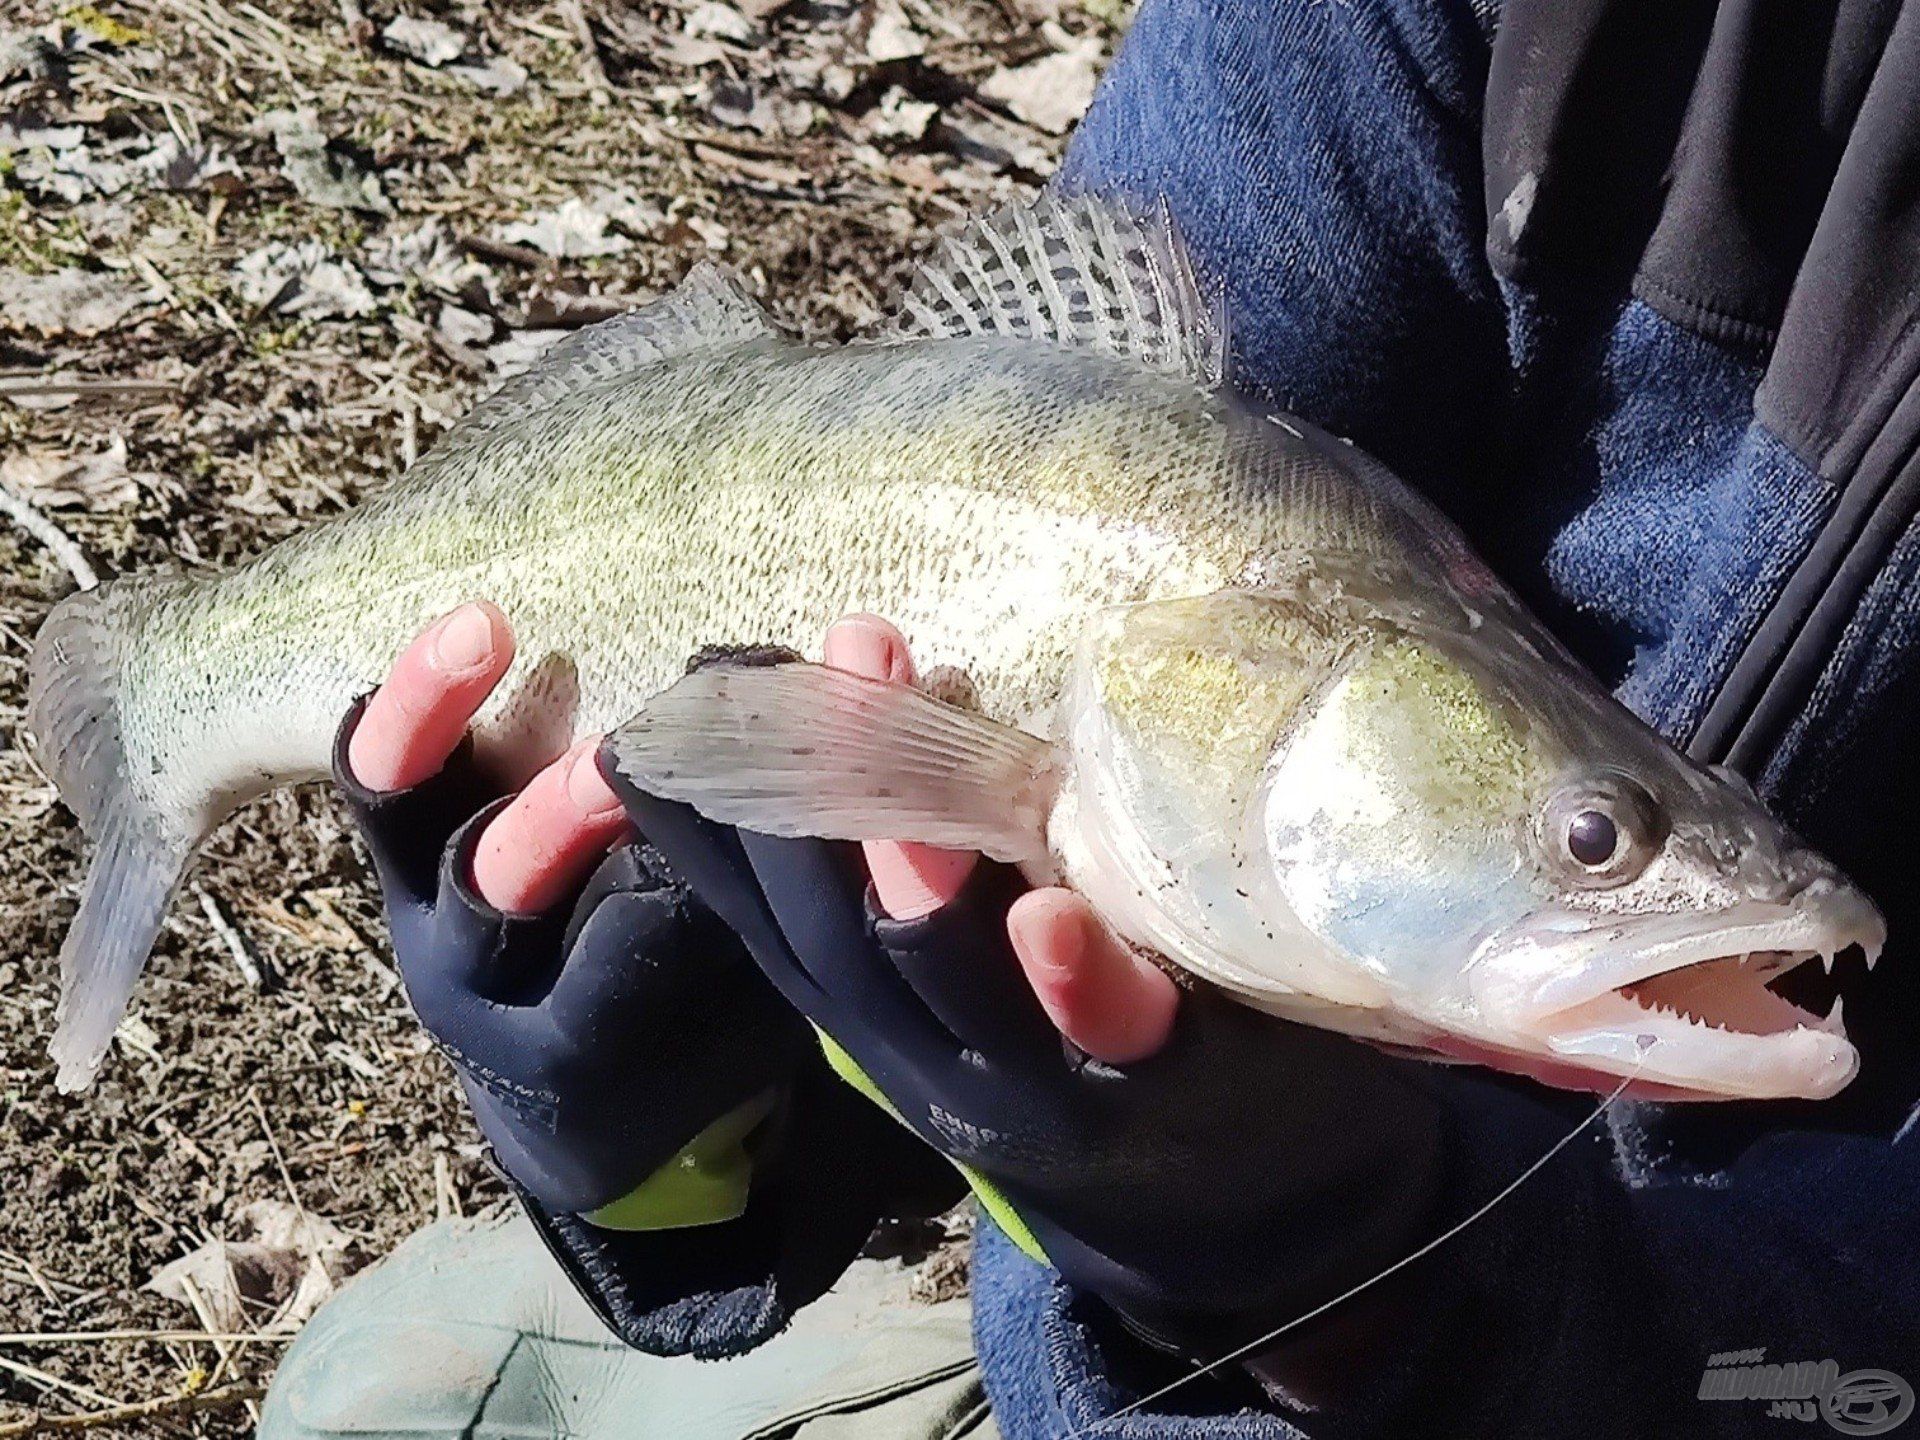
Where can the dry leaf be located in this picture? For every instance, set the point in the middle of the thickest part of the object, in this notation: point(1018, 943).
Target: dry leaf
point(575, 231)
point(743, 106)
point(317, 173)
point(431, 42)
point(463, 327)
point(304, 279)
point(1053, 92)
point(899, 116)
point(174, 166)
point(291, 1261)
point(99, 481)
point(500, 75)
point(428, 255)
point(58, 162)
point(892, 36)
point(67, 302)
point(721, 22)
point(520, 349)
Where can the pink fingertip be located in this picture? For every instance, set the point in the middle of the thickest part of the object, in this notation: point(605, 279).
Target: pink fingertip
point(536, 851)
point(415, 719)
point(465, 640)
point(586, 786)
point(867, 645)
point(910, 880)
point(1100, 995)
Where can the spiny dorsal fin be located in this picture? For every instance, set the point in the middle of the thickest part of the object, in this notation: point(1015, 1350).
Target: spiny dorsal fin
point(709, 310)
point(1087, 272)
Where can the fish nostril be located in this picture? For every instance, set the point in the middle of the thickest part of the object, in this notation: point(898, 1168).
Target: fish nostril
point(1803, 875)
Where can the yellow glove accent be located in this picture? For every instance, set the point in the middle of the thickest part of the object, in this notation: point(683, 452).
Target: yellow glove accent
point(984, 1190)
point(704, 1184)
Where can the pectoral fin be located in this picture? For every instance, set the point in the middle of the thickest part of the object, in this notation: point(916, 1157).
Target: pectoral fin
point(797, 749)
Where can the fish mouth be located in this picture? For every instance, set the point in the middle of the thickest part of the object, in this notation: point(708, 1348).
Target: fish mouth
point(1689, 1007)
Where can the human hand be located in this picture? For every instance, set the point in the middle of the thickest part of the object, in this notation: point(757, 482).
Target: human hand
point(666, 1118)
point(1207, 1170)
point(562, 980)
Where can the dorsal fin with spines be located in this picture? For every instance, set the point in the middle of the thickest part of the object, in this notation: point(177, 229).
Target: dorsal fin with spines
point(709, 310)
point(1084, 272)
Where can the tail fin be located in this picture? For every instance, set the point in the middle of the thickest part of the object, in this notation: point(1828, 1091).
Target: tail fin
point(73, 688)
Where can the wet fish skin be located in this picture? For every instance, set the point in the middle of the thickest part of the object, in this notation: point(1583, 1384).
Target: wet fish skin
point(984, 493)
point(1235, 682)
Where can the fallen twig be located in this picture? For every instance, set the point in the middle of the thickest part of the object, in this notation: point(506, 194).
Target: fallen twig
point(488, 249)
point(33, 1273)
point(64, 549)
point(750, 168)
point(279, 1157)
point(39, 383)
point(139, 1410)
point(250, 969)
point(205, 1312)
point(167, 1337)
point(52, 1382)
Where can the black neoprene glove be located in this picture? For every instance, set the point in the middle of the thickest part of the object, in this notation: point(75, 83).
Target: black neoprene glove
point(1247, 1172)
point(666, 1118)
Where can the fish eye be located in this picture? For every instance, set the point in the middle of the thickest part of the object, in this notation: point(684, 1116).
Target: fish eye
point(1602, 831)
point(1592, 838)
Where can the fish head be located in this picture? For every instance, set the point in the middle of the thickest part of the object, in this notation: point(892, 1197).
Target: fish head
point(1446, 837)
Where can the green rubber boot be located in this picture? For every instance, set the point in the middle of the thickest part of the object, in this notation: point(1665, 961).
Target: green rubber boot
point(470, 1330)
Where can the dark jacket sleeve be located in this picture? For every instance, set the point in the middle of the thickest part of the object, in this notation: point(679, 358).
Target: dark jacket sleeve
point(1522, 298)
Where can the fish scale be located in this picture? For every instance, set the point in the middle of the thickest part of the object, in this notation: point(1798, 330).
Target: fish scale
point(1017, 456)
point(971, 490)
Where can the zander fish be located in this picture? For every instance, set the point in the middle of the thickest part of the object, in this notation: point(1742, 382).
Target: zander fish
point(1247, 692)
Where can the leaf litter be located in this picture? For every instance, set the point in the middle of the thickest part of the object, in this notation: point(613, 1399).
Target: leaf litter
point(254, 256)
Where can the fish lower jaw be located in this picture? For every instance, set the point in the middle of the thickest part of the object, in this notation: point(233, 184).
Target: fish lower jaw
point(1714, 1030)
point(1683, 1009)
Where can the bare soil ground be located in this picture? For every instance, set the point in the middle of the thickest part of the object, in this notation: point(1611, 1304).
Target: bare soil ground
point(254, 256)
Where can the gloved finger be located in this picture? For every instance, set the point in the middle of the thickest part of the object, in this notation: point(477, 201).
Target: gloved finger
point(406, 830)
point(418, 715)
point(629, 869)
point(478, 951)
point(798, 906)
point(710, 858)
point(910, 880)
point(959, 963)
point(816, 893)
point(535, 852)
point(646, 959)
point(1112, 1003)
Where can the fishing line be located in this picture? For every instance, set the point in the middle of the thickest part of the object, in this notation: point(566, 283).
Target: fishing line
point(1434, 1244)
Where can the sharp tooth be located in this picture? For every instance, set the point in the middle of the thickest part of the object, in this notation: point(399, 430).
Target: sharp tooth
point(1873, 956)
point(1832, 1023)
point(1827, 962)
